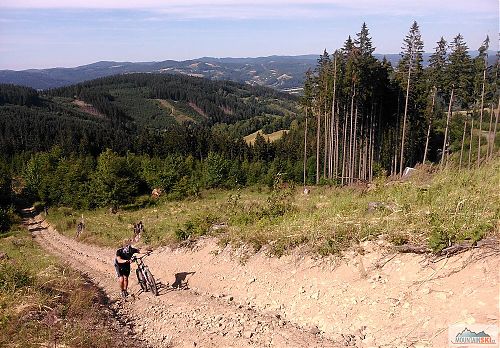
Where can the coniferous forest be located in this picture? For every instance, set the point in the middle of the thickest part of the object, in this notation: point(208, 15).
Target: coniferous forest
point(107, 141)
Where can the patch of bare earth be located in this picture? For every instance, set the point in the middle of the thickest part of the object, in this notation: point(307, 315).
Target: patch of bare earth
point(179, 117)
point(87, 108)
point(198, 109)
point(370, 297)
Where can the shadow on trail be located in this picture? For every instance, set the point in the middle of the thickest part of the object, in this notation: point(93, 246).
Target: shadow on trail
point(181, 283)
point(35, 229)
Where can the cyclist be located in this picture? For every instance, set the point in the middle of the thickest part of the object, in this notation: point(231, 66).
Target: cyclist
point(122, 265)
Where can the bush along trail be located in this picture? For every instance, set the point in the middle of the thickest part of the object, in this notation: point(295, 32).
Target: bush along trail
point(180, 318)
point(372, 296)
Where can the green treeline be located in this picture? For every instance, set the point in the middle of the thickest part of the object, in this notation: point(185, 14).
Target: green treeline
point(5, 197)
point(364, 115)
point(113, 180)
point(18, 95)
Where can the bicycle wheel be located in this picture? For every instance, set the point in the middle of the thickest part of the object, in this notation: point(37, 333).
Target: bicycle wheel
point(151, 281)
point(142, 281)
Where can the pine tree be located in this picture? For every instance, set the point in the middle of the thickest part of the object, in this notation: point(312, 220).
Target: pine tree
point(306, 102)
point(480, 67)
point(437, 65)
point(480, 62)
point(411, 62)
point(459, 72)
point(436, 80)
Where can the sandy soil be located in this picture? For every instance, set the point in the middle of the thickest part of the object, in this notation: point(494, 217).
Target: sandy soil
point(371, 297)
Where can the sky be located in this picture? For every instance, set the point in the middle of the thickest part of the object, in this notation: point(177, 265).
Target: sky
point(68, 33)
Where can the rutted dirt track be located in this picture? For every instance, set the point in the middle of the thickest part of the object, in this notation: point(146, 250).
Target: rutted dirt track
point(369, 298)
point(178, 318)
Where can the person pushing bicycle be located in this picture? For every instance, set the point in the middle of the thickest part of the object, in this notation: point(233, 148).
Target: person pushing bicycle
point(122, 265)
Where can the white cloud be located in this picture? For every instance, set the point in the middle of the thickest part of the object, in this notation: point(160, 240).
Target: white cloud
point(266, 8)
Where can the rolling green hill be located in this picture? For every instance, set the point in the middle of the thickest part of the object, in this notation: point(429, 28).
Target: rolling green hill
point(184, 98)
point(145, 113)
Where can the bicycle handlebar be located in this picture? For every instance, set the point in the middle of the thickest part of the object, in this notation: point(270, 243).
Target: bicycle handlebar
point(135, 258)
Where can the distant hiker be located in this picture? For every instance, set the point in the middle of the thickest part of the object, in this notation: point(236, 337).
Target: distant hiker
point(122, 265)
point(79, 228)
point(46, 210)
point(138, 229)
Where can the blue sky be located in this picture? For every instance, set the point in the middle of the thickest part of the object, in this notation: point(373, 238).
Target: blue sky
point(50, 33)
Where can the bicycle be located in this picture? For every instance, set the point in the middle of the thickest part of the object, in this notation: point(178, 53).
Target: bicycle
point(144, 275)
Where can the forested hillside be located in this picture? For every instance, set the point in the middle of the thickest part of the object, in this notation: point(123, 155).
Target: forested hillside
point(205, 102)
point(107, 141)
point(143, 113)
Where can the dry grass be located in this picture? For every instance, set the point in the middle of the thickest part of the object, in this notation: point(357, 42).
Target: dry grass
point(250, 139)
point(43, 303)
point(431, 208)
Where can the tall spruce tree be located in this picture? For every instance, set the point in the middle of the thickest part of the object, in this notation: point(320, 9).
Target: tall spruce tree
point(437, 65)
point(409, 69)
point(460, 72)
point(435, 82)
point(480, 63)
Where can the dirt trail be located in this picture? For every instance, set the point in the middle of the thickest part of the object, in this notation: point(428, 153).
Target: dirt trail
point(371, 297)
point(177, 318)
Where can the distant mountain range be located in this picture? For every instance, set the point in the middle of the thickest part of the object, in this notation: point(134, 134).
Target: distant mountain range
point(285, 73)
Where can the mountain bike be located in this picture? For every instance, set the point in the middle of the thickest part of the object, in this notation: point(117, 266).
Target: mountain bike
point(144, 276)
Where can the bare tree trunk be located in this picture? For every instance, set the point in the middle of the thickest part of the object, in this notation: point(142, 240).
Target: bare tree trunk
point(371, 129)
point(361, 144)
point(355, 145)
point(495, 131)
point(325, 153)
point(344, 150)
point(396, 150)
point(336, 151)
point(401, 160)
point(351, 134)
point(481, 120)
point(366, 156)
point(371, 140)
point(318, 131)
point(489, 132)
point(462, 148)
point(305, 150)
point(470, 143)
point(430, 125)
point(396, 139)
point(446, 130)
point(372, 153)
point(332, 154)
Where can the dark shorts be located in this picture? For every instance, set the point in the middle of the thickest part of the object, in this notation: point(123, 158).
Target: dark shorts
point(122, 269)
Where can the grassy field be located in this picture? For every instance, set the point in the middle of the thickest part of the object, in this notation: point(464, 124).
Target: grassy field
point(45, 304)
point(433, 208)
point(250, 139)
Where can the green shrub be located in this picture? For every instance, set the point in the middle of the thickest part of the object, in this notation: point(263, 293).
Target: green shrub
point(38, 206)
point(195, 227)
point(14, 276)
point(5, 220)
